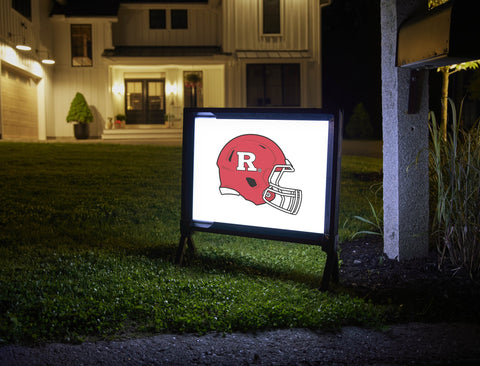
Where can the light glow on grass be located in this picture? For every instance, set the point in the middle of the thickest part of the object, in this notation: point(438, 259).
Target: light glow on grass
point(88, 234)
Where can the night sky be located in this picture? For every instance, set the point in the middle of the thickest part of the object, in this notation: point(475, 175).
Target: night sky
point(351, 58)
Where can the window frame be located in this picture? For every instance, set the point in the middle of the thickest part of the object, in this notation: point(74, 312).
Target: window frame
point(178, 11)
point(153, 13)
point(89, 46)
point(281, 20)
point(284, 94)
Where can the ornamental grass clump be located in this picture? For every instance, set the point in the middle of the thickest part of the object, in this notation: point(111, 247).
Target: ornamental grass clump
point(455, 177)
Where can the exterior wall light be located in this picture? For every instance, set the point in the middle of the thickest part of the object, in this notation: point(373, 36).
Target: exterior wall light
point(22, 45)
point(172, 89)
point(46, 60)
point(118, 89)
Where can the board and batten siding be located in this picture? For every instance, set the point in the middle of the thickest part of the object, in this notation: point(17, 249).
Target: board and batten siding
point(91, 81)
point(242, 24)
point(133, 28)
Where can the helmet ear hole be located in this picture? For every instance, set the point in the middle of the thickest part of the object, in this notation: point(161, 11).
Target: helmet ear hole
point(251, 182)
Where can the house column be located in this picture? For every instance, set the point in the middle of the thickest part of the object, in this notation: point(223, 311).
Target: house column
point(405, 143)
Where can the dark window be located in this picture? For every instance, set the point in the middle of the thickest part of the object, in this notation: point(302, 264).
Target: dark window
point(273, 85)
point(81, 45)
point(179, 19)
point(24, 7)
point(271, 17)
point(158, 19)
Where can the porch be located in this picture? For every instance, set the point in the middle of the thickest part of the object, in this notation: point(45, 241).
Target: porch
point(143, 133)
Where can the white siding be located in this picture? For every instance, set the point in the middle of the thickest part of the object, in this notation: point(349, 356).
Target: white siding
point(244, 26)
point(37, 34)
point(92, 81)
point(214, 87)
point(133, 28)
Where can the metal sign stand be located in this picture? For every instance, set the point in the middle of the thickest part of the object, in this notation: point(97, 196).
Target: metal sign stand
point(331, 271)
point(186, 242)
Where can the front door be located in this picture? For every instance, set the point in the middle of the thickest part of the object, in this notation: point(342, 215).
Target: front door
point(145, 101)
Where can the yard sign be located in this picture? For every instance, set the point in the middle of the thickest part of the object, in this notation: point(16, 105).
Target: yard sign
point(264, 173)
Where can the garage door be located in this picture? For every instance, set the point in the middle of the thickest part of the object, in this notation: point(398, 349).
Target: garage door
point(18, 105)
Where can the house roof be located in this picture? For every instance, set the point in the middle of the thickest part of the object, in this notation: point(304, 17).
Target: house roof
point(273, 54)
point(160, 51)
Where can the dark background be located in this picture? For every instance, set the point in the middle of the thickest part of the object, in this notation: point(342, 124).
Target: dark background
point(351, 52)
point(351, 58)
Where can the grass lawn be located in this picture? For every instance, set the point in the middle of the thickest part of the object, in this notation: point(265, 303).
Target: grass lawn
point(88, 234)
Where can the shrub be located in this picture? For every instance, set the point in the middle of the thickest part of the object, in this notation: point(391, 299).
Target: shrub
point(455, 168)
point(79, 110)
point(359, 125)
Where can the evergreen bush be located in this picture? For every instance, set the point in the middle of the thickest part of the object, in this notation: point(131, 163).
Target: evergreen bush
point(359, 125)
point(79, 110)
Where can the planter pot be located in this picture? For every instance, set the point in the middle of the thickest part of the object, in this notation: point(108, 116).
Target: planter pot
point(81, 131)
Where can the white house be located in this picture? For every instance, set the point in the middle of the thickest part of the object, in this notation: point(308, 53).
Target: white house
point(148, 60)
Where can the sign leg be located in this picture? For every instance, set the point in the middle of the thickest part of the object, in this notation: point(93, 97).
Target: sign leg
point(331, 271)
point(186, 242)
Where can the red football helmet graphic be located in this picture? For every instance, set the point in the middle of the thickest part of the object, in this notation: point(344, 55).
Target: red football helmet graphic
point(251, 166)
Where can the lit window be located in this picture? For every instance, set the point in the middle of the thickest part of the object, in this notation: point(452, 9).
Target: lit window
point(81, 45)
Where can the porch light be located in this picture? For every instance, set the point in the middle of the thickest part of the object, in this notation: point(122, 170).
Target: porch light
point(118, 89)
point(172, 88)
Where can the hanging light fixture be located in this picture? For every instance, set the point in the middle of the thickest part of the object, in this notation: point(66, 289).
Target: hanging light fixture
point(22, 45)
point(47, 60)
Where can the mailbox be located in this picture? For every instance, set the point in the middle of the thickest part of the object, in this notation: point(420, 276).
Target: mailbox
point(446, 35)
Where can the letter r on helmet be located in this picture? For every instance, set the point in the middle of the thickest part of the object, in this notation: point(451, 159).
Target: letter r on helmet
point(246, 158)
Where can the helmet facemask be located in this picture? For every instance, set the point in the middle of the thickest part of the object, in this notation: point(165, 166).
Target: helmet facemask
point(284, 199)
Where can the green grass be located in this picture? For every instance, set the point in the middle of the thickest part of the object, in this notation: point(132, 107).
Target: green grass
point(88, 234)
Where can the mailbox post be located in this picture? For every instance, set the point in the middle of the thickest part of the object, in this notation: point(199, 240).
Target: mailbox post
point(405, 184)
point(442, 37)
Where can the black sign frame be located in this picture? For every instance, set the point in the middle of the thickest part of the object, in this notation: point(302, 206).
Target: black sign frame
point(328, 240)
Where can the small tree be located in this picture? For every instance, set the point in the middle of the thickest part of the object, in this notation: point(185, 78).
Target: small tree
point(446, 72)
point(79, 110)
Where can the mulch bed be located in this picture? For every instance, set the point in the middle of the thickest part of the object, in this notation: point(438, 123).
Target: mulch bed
point(418, 287)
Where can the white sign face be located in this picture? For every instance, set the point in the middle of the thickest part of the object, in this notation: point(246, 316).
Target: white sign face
point(263, 173)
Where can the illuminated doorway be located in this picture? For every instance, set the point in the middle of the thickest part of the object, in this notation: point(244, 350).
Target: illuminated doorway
point(145, 101)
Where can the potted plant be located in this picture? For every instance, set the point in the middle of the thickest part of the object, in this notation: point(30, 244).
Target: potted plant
point(120, 121)
point(192, 81)
point(80, 115)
